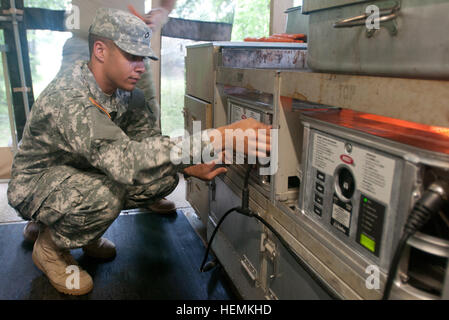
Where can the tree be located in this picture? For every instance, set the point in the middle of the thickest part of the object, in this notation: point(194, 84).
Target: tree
point(252, 19)
point(212, 10)
point(48, 4)
point(5, 133)
point(249, 18)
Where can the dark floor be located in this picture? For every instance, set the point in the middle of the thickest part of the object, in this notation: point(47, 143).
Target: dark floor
point(158, 257)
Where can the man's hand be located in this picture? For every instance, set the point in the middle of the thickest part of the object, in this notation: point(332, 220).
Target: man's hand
point(204, 171)
point(156, 18)
point(256, 145)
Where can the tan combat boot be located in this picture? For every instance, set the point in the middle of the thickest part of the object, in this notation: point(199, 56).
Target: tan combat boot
point(101, 249)
point(163, 206)
point(59, 266)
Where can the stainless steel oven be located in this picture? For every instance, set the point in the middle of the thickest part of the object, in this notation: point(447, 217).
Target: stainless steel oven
point(362, 175)
point(260, 108)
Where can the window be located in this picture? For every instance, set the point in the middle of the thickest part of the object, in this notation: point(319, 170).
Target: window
point(5, 128)
point(45, 48)
point(48, 4)
point(246, 23)
point(173, 54)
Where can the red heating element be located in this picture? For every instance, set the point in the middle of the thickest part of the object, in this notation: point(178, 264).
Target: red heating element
point(431, 138)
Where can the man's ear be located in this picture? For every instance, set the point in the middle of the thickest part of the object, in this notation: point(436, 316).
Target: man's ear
point(100, 50)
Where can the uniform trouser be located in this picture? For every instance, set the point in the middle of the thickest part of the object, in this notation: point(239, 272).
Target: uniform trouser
point(83, 207)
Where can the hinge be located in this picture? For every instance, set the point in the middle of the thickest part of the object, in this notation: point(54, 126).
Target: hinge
point(268, 247)
point(271, 295)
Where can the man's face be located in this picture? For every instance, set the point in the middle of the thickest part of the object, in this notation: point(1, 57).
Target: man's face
point(122, 69)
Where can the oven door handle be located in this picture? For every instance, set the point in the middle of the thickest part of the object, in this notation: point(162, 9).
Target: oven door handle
point(385, 15)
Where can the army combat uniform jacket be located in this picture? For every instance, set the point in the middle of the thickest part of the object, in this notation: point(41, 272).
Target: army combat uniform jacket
point(74, 127)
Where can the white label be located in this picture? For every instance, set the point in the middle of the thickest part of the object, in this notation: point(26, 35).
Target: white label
point(239, 113)
point(326, 153)
point(373, 172)
point(341, 215)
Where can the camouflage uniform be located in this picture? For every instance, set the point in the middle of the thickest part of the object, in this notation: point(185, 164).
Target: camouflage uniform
point(85, 156)
point(77, 48)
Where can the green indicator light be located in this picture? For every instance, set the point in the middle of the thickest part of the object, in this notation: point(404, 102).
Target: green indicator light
point(365, 200)
point(367, 243)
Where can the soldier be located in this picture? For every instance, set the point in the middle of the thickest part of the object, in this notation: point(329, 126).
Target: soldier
point(77, 48)
point(88, 152)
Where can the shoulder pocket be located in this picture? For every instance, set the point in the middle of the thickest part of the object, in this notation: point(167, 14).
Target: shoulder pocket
point(104, 128)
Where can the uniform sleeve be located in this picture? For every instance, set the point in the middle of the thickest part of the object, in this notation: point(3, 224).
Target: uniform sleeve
point(140, 121)
point(89, 133)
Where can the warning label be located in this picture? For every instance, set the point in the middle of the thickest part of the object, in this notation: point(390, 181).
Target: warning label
point(341, 215)
point(376, 173)
point(326, 153)
point(373, 172)
point(239, 113)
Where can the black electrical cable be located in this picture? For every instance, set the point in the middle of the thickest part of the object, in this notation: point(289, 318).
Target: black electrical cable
point(244, 209)
point(430, 204)
point(394, 265)
point(213, 236)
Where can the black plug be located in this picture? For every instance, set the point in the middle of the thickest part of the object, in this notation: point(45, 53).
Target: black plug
point(431, 202)
point(425, 208)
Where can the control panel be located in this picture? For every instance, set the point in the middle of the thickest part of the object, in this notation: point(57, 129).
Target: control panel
point(360, 178)
point(362, 175)
point(351, 190)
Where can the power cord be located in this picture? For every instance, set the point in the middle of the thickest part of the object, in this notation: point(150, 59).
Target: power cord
point(425, 208)
point(244, 210)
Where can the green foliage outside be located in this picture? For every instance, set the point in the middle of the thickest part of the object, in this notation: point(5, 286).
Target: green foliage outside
point(212, 10)
point(5, 132)
point(250, 18)
point(48, 4)
point(172, 118)
point(38, 38)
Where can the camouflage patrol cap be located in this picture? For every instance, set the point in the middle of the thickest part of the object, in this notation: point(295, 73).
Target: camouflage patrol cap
point(127, 31)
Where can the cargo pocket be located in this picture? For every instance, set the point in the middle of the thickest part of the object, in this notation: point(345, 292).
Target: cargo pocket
point(62, 202)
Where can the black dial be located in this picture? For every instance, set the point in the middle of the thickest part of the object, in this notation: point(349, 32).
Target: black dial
point(346, 182)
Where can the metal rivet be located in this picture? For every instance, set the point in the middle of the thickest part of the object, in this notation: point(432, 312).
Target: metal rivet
point(348, 148)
